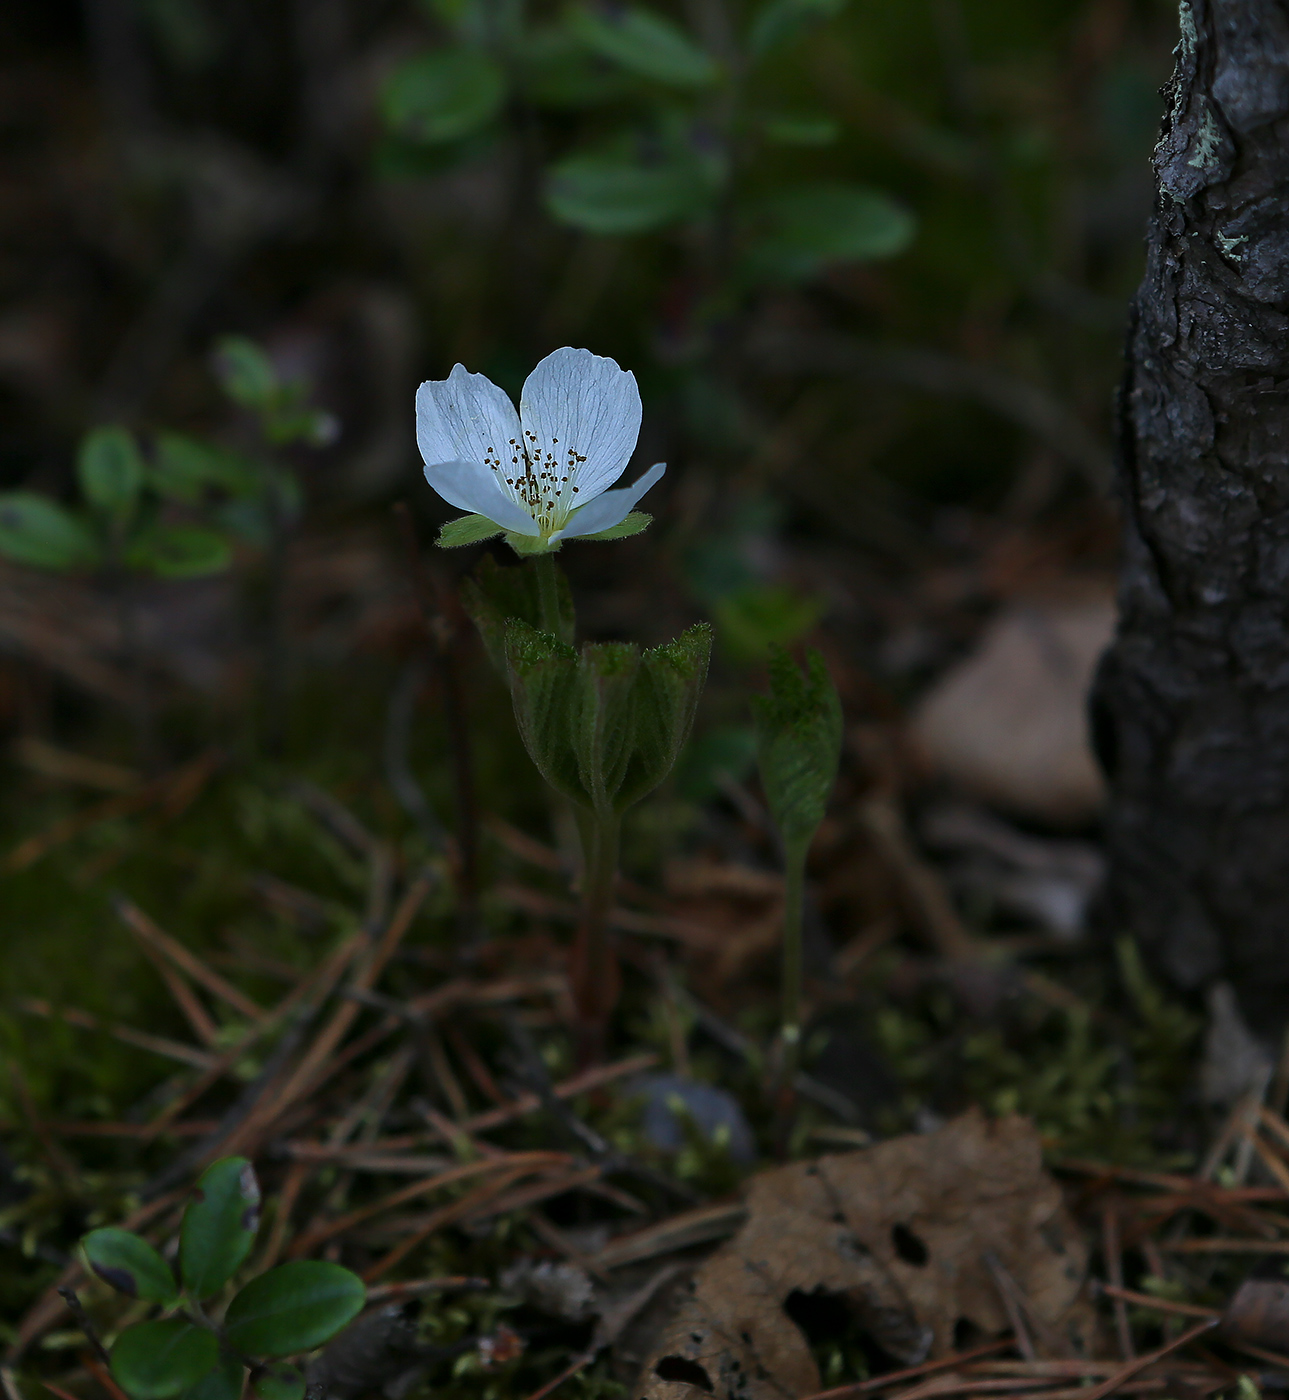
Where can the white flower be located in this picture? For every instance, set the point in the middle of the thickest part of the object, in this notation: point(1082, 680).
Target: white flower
point(542, 473)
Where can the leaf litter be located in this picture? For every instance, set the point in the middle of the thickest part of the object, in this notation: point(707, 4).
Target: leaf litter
point(940, 1263)
point(922, 1239)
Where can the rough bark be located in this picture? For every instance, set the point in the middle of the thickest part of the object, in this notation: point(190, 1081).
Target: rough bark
point(1191, 706)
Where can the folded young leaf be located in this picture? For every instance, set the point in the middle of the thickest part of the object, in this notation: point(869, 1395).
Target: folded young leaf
point(798, 735)
point(493, 593)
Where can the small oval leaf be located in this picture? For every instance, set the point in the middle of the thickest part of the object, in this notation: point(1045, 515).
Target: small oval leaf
point(646, 43)
point(612, 193)
point(293, 1308)
point(277, 1383)
point(157, 1359)
point(37, 531)
point(247, 373)
point(180, 551)
point(222, 1382)
point(110, 471)
point(219, 1225)
point(444, 95)
point(130, 1264)
point(802, 229)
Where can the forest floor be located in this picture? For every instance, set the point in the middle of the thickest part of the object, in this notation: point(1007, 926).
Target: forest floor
point(338, 964)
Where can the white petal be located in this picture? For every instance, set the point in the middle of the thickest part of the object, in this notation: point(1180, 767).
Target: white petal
point(464, 418)
point(582, 403)
point(611, 508)
point(472, 486)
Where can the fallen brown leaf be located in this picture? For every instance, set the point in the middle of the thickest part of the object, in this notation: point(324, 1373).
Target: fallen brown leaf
point(900, 1233)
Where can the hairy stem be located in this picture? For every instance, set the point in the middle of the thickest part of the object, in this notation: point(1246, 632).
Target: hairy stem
point(794, 900)
point(548, 594)
point(596, 981)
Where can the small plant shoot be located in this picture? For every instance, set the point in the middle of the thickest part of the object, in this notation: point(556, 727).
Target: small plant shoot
point(606, 723)
point(798, 743)
point(291, 1309)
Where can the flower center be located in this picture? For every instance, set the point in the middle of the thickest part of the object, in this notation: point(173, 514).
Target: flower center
point(541, 477)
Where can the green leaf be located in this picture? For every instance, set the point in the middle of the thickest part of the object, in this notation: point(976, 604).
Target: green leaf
point(800, 230)
point(788, 130)
point(277, 1383)
point(604, 726)
point(543, 674)
point(131, 1265)
point(558, 71)
point(285, 425)
point(222, 1382)
point(602, 717)
point(37, 531)
point(615, 193)
point(752, 619)
point(110, 471)
point(180, 551)
point(798, 740)
point(666, 698)
point(468, 529)
point(247, 373)
point(219, 1225)
point(493, 593)
point(779, 20)
point(646, 43)
point(183, 468)
point(443, 95)
point(293, 1308)
point(156, 1359)
point(630, 525)
point(724, 754)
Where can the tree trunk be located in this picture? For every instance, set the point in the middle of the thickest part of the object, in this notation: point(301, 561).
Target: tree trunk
point(1191, 705)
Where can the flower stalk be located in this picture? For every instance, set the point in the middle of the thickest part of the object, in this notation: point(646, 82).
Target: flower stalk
point(794, 863)
point(595, 977)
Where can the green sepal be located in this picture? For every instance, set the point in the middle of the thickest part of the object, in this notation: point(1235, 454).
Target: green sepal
point(293, 1308)
point(39, 532)
point(467, 529)
point(219, 1225)
point(526, 545)
point(222, 1382)
point(110, 471)
point(494, 593)
point(277, 1383)
point(798, 739)
point(130, 1265)
point(633, 524)
point(156, 1359)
